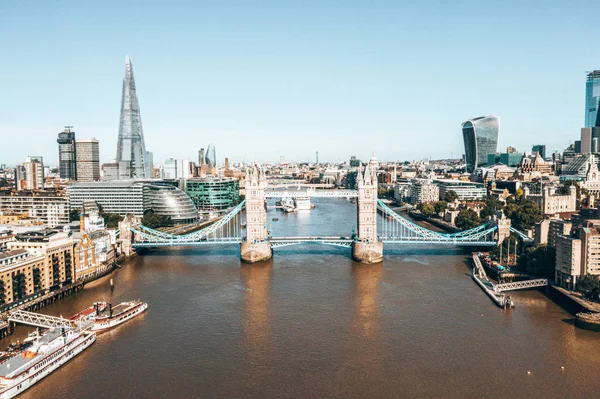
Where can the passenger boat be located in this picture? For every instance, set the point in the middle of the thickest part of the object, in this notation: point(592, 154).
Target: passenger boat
point(113, 316)
point(47, 352)
point(89, 313)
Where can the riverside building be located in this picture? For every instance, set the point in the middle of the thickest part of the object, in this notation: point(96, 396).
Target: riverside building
point(57, 251)
point(213, 193)
point(135, 197)
point(49, 209)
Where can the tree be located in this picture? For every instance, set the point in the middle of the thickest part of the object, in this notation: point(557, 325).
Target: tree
point(467, 219)
point(383, 193)
point(523, 213)
point(519, 193)
point(4, 182)
point(450, 196)
point(440, 206)
point(426, 209)
point(111, 220)
point(540, 261)
point(154, 221)
point(590, 287)
point(74, 215)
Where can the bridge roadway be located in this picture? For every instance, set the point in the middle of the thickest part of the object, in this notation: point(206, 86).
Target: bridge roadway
point(311, 193)
point(326, 240)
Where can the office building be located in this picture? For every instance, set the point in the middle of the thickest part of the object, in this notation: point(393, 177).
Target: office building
point(170, 169)
point(20, 178)
point(131, 147)
point(423, 190)
point(67, 157)
point(211, 157)
point(480, 137)
point(540, 149)
point(590, 140)
point(354, 162)
point(34, 173)
point(183, 169)
point(557, 228)
point(149, 164)
point(466, 190)
point(577, 255)
point(135, 197)
point(49, 209)
point(201, 160)
point(592, 99)
point(213, 193)
point(110, 171)
point(87, 153)
point(568, 261)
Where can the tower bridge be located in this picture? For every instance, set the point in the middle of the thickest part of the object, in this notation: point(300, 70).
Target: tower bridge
point(377, 225)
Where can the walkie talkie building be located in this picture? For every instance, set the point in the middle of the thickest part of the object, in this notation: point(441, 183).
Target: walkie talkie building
point(481, 138)
point(131, 149)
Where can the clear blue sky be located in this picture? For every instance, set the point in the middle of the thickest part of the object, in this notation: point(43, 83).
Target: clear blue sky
point(269, 78)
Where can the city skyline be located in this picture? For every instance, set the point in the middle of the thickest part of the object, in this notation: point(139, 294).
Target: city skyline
point(237, 79)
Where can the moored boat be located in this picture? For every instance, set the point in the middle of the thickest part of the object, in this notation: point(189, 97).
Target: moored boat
point(113, 316)
point(47, 352)
point(89, 313)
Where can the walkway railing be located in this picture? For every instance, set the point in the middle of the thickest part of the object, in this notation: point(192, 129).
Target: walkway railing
point(521, 285)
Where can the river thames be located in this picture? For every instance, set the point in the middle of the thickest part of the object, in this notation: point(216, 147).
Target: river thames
point(312, 323)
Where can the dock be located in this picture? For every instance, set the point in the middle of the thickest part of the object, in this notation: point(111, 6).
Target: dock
point(480, 277)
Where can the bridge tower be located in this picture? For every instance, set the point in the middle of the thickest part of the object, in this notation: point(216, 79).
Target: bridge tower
point(367, 248)
point(256, 246)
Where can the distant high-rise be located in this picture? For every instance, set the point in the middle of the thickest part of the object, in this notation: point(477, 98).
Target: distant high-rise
point(540, 149)
point(149, 164)
point(201, 160)
point(481, 138)
point(88, 160)
point(131, 148)
point(34, 172)
point(67, 157)
point(211, 156)
point(592, 99)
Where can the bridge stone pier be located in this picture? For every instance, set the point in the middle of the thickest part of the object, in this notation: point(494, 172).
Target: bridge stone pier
point(367, 248)
point(256, 246)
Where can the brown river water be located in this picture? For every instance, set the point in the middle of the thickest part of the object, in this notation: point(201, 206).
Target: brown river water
point(314, 324)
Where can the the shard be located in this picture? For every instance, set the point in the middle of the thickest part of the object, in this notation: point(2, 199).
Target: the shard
point(131, 149)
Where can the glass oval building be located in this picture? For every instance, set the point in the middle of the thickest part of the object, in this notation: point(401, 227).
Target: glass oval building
point(211, 156)
point(481, 138)
point(170, 201)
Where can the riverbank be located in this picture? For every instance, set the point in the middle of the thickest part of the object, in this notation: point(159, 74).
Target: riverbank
point(42, 300)
point(434, 221)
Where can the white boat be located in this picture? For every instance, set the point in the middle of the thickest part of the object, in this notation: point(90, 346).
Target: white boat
point(47, 352)
point(303, 204)
point(287, 204)
point(113, 316)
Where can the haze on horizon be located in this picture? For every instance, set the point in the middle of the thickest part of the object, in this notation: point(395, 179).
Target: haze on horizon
point(270, 79)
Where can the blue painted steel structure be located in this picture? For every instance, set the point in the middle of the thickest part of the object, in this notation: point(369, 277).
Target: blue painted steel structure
point(392, 229)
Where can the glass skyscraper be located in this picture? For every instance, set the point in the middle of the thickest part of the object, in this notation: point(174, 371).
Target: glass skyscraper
point(592, 99)
point(211, 156)
point(481, 138)
point(67, 160)
point(131, 149)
